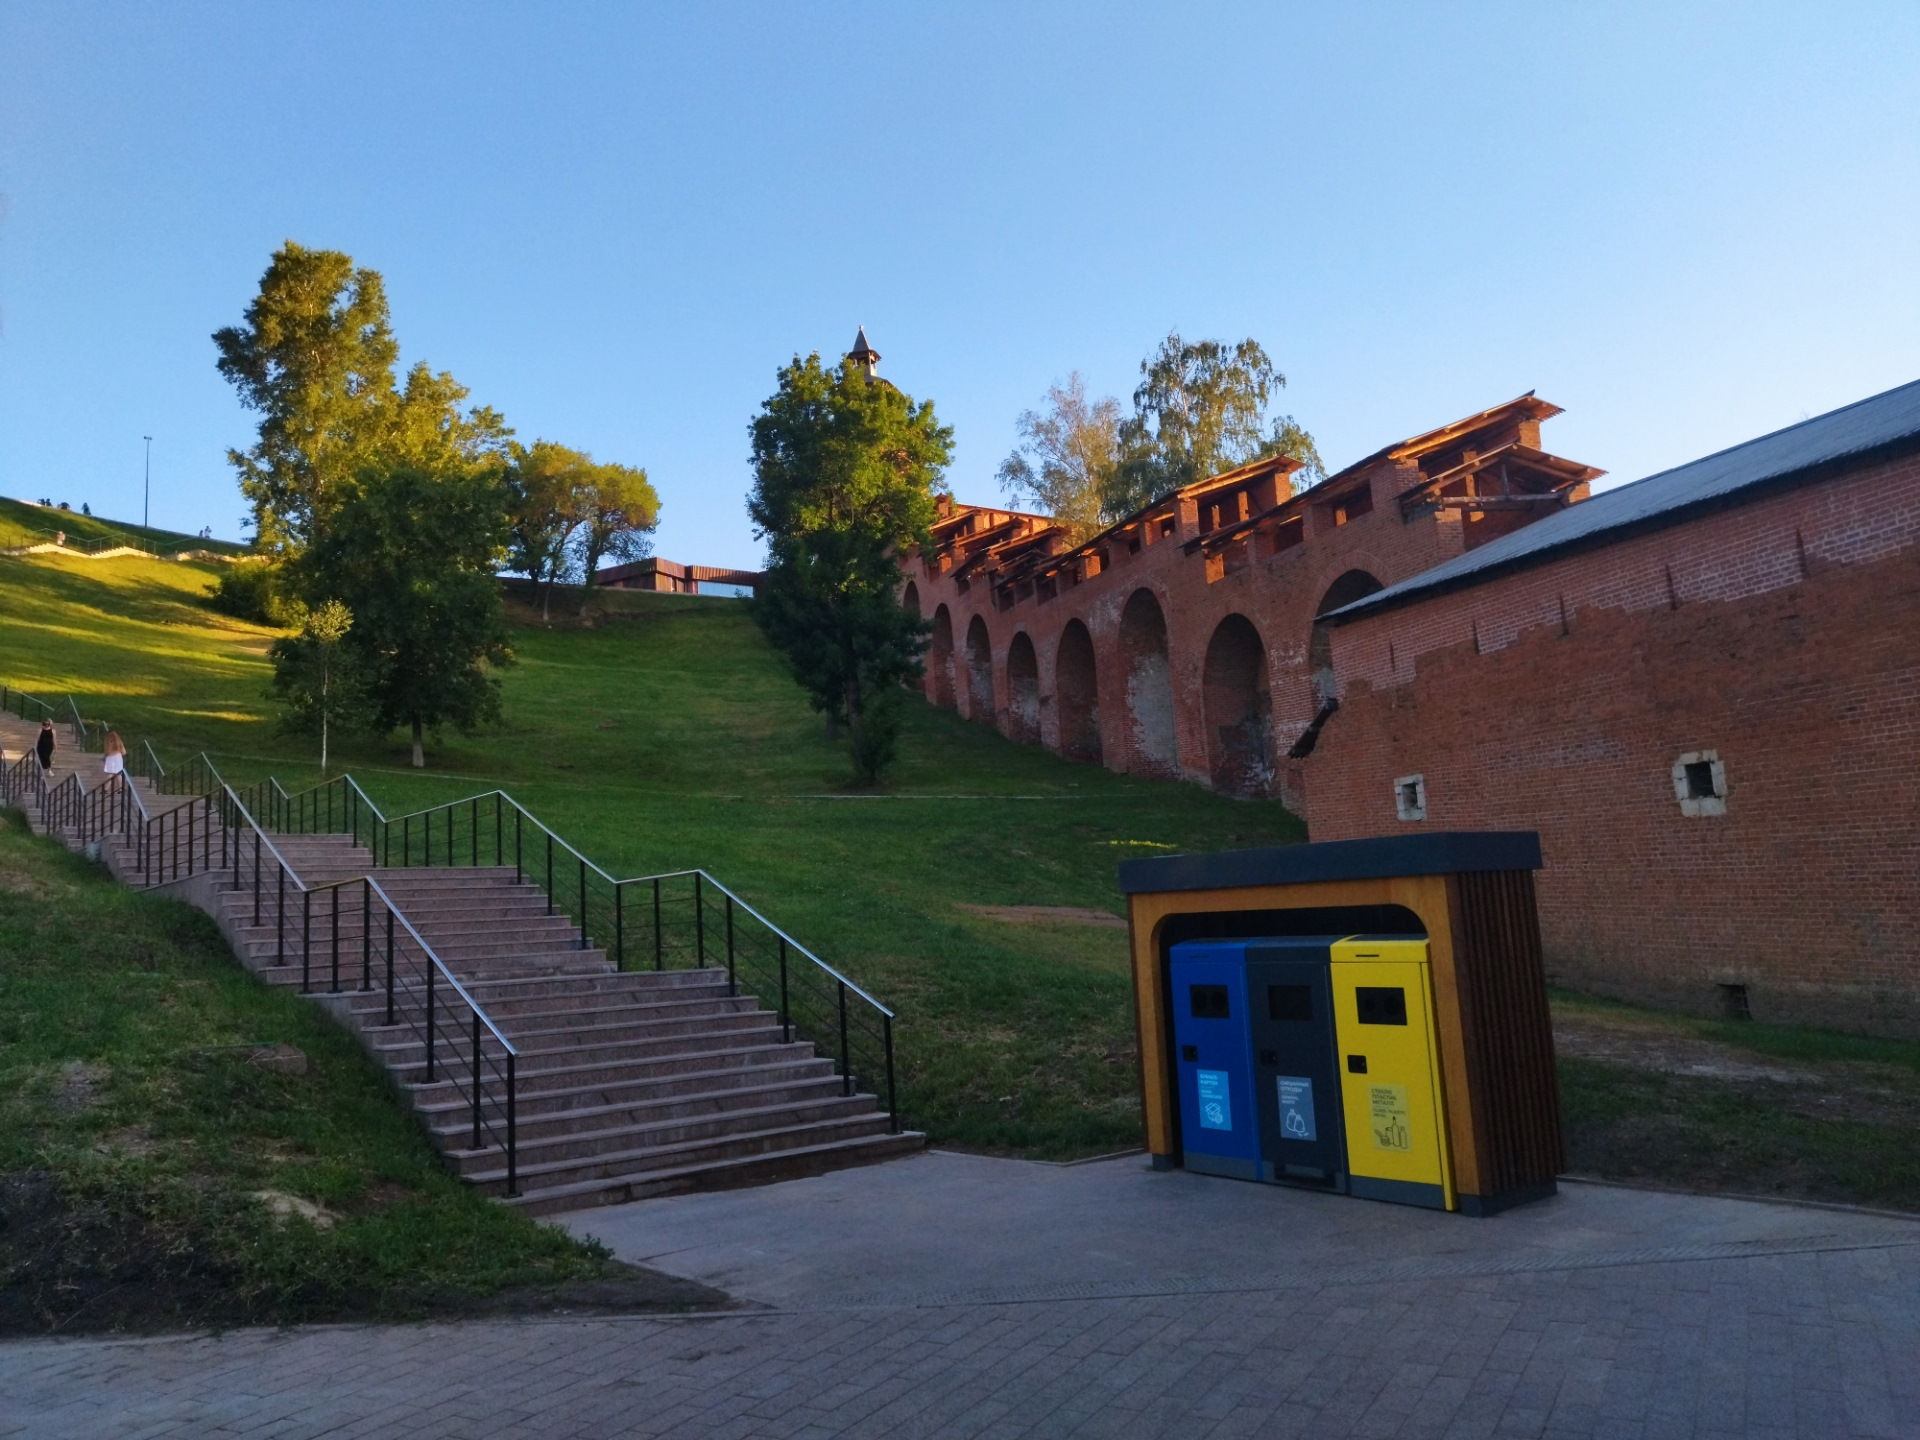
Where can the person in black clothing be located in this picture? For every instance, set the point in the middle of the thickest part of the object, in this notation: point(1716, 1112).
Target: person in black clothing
point(44, 748)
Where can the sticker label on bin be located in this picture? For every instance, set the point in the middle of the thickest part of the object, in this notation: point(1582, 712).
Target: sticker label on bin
point(1392, 1119)
point(1296, 1107)
point(1216, 1110)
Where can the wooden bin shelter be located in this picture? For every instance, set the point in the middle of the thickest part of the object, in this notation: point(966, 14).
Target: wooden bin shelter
point(1470, 893)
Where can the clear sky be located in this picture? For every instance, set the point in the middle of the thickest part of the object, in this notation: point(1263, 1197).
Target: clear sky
point(1687, 224)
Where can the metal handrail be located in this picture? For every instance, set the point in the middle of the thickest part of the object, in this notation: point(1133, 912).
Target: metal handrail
point(16, 701)
point(341, 806)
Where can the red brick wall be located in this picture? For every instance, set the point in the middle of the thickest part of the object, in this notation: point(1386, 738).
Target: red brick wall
point(1785, 635)
point(1279, 594)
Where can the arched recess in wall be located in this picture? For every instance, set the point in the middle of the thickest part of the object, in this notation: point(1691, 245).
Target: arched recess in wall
point(1023, 691)
point(1076, 695)
point(1239, 709)
point(979, 672)
point(940, 658)
point(1352, 586)
point(910, 599)
point(1149, 697)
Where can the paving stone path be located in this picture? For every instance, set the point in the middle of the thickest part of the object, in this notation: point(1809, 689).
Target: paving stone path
point(1603, 1313)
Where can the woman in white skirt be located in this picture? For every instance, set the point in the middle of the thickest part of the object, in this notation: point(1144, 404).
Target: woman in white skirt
point(113, 764)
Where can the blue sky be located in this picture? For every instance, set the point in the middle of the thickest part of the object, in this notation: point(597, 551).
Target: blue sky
point(1686, 224)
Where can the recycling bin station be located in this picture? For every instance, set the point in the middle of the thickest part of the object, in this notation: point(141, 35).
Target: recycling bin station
point(1366, 1017)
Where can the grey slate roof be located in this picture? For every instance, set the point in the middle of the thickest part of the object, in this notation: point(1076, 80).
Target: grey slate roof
point(1867, 430)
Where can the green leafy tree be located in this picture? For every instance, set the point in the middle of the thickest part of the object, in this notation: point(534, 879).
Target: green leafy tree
point(413, 554)
point(314, 357)
point(1065, 462)
point(313, 678)
point(846, 468)
point(543, 481)
point(617, 511)
point(1201, 408)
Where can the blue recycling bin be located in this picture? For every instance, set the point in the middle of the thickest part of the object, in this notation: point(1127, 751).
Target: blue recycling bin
point(1218, 1112)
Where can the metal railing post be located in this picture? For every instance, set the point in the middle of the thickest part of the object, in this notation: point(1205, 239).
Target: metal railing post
point(659, 945)
point(333, 985)
point(518, 867)
point(699, 921)
point(389, 964)
point(513, 1128)
point(786, 1020)
point(431, 967)
point(584, 944)
point(846, 1061)
point(549, 872)
point(619, 926)
point(366, 934)
point(476, 1079)
point(733, 983)
point(893, 1105)
point(497, 851)
point(306, 941)
point(256, 877)
point(280, 925)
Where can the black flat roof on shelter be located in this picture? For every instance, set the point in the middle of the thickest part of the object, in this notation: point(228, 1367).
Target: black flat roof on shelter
point(1878, 427)
point(1443, 852)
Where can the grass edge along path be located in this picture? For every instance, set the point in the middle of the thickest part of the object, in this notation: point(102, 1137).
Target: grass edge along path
point(153, 1176)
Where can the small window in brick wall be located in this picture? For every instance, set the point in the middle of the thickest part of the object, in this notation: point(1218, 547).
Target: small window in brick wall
point(1700, 783)
point(1410, 797)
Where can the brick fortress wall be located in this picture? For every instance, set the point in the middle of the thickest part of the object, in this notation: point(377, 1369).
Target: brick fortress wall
point(1180, 643)
point(1784, 636)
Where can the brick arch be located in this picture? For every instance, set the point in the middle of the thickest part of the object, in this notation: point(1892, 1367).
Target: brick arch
point(910, 599)
point(1350, 585)
point(940, 658)
point(979, 672)
point(1076, 694)
point(1239, 710)
point(1023, 690)
point(1152, 744)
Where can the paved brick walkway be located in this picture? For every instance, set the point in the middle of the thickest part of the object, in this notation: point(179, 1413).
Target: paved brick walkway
point(1736, 1320)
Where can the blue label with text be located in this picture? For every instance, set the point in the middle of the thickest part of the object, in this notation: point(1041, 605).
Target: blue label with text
point(1216, 1110)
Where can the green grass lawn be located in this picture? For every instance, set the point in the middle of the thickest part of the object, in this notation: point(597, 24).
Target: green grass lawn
point(136, 1139)
point(665, 736)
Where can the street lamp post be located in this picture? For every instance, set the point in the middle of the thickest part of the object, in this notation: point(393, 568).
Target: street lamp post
point(146, 488)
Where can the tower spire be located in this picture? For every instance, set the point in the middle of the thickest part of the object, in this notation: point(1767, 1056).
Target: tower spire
point(864, 355)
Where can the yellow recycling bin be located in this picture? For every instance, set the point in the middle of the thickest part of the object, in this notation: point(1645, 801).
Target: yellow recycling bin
point(1390, 1086)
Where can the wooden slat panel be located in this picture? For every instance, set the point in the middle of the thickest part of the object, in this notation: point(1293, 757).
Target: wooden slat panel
point(1503, 994)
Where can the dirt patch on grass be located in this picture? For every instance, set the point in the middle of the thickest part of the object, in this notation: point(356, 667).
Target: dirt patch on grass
point(1683, 1103)
point(1648, 1042)
point(1047, 915)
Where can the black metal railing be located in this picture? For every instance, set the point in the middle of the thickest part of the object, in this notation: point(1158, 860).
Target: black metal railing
point(683, 920)
point(24, 783)
point(27, 707)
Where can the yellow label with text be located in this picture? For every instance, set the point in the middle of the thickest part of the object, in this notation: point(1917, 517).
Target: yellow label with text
point(1392, 1127)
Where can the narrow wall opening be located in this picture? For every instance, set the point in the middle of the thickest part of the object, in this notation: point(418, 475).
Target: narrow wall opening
point(1352, 586)
point(979, 672)
point(1239, 710)
point(1152, 747)
point(1023, 691)
point(1076, 695)
point(940, 658)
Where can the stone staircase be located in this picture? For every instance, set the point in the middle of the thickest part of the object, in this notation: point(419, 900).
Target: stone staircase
point(627, 1084)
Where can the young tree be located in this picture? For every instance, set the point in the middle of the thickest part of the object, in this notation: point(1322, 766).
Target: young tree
point(1066, 457)
point(413, 553)
point(617, 510)
point(845, 470)
point(543, 481)
point(1201, 408)
point(315, 681)
point(314, 357)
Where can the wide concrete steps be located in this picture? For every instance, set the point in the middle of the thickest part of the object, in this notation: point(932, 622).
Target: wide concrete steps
point(626, 1084)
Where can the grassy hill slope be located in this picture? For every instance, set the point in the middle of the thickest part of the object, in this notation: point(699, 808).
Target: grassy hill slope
point(22, 523)
point(666, 735)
